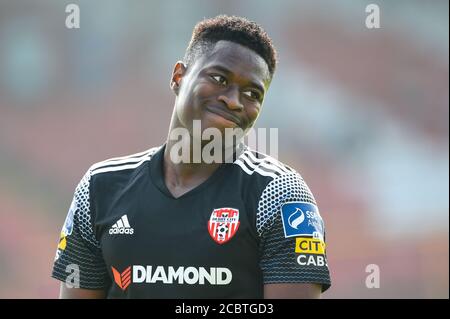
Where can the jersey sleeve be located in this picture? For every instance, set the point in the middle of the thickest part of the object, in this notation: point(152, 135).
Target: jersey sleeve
point(78, 252)
point(292, 234)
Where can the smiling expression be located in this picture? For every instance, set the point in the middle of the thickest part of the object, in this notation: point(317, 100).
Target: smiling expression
point(224, 88)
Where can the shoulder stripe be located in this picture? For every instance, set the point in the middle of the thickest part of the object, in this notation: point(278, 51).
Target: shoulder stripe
point(270, 160)
point(121, 167)
point(241, 164)
point(118, 160)
point(268, 166)
point(135, 158)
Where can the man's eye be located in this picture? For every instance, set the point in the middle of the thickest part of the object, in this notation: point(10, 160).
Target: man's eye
point(252, 94)
point(219, 79)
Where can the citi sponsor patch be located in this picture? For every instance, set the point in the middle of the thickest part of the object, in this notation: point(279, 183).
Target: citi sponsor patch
point(66, 229)
point(312, 260)
point(308, 245)
point(68, 223)
point(301, 219)
point(138, 274)
point(62, 241)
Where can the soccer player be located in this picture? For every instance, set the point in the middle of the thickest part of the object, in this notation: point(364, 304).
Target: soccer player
point(146, 226)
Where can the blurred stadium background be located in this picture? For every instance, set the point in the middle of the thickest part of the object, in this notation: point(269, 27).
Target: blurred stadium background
point(362, 114)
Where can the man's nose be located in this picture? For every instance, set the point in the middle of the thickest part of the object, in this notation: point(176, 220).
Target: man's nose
point(231, 99)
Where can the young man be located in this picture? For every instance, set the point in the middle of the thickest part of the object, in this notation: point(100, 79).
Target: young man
point(146, 226)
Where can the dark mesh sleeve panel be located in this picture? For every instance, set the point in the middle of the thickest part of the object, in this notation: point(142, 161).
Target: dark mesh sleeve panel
point(78, 245)
point(278, 257)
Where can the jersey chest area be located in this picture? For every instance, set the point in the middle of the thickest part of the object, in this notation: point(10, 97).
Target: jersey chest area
point(206, 240)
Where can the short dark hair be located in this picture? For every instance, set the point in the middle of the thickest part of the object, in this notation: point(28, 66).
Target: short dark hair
point(231, 28)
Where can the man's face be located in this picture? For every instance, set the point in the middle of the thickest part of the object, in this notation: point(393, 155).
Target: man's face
point(224, 88)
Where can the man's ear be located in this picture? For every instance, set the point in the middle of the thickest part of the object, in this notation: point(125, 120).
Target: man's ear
point(179, 70)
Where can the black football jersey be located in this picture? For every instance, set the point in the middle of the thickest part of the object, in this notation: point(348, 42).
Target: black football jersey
point(253, 222)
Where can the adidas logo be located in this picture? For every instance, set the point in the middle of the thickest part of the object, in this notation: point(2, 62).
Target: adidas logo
point(122, 226)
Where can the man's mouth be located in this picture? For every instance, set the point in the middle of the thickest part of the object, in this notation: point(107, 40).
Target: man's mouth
point(225, 114)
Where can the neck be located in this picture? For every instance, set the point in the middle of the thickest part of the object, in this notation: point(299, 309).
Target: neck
point(181, 173)
point(191, 171)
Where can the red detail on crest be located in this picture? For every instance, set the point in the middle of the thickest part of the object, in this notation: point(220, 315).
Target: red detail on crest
point(223, 224)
